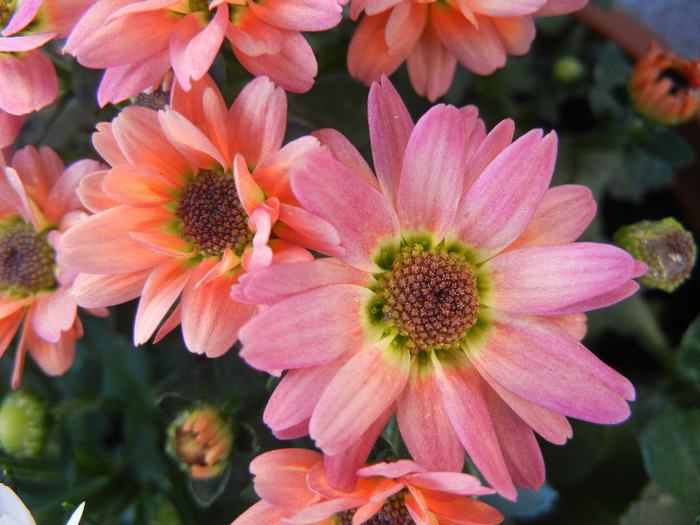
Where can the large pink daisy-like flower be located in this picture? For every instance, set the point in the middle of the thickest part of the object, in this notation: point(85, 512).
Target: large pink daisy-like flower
point(432, 36)
point(457, 304)
point(179, 216)
point(38, 201)
point(293, 486)
point(137, 42)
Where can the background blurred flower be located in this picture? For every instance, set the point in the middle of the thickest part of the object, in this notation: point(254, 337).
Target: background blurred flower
point(457, 304)
point(665, 88)
point(294, 489)
point(38, 202)
point(179, 215)
point(433, 36)
point(13, 511)
point(138, 42)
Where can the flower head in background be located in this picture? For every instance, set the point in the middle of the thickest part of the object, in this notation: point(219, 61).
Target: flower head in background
point(138, 42)
point(665, 88)
point(13, 511)
point(457, 305)
point(179, 217)
point(38, 202)
point(432, 36)
point(293, 487)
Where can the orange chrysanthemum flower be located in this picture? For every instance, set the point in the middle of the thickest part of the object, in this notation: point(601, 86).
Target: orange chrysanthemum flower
point(179, 215)
point(432, 36)
point(293, 486)
point(664, 87)
point(37, 203)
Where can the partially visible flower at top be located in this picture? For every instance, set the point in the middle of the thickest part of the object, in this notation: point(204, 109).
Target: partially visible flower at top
point(137, 42)
point(458, 304)
point(179, 215)
point(200, 439)
point(38, 202)
point(433, 35)
point(664, 87)
point(14, 512)
point(665, 246)
point(293, 488)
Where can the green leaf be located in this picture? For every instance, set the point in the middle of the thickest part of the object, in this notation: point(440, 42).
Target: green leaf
point(671, 451)
point(689, 354)
point(662, 143)
point(655, 508)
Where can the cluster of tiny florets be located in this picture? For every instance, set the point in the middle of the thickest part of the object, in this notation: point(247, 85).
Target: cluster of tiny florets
point(430, 298)
point(211, 215)
point(26, 260)
point(393, 512)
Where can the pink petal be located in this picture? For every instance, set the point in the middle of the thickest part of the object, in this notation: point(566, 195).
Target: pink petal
point(560, 7)
point(24, 13)
point(29, 82)
point(160, 291)
point(343, 150)
point(10, 125)
point(248, 191)
point(94, 291)
point(300, 15)
point(63, 197)
point(296, 395)
point(517, 34)
point(101, 243)
point(280, 281)
point(306, 229)
point(53, 315)
point(542, 363)
point(562, 216)
point(466, 511)
point(193, 48)
point(24, 43)
point(165, 244)
point(499, 138)
point(309, 329)
point(518, 444)
point(599, 301)
point(121, 82)
point(138, 186)
point(432, 172)
point(450, 482)
point(261, 513)
point(431, 67)
point(54, 359)
point(425, 426)
point(500, 8)
point(499, 205)
point(9, 324)
point(318, 513)
point(395, 469)
point(258, 120)
point(194, 145)
point(361, 391)
point(479, 50)
point(362, 216)
point(463, 395)
point(550, 278)
point(210, 319)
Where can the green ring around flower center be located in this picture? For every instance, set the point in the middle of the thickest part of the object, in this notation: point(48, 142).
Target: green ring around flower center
point(428, 295)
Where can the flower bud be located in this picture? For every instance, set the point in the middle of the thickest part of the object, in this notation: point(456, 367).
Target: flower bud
point(665, 88)
point(568, 69)
point(665, 246)
point(23, 424)
point(200, 439)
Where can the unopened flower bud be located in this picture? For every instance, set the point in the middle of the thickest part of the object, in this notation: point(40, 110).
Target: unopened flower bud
point(665, 246)
point(568, 69)
point(23, 424)
point(665, 88)
point(200, 439)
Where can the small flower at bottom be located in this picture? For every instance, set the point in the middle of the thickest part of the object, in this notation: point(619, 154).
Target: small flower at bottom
point(200, 439)
point(37, 203)
point(293, 488)
point(458, 304)
point(665, 88)
point(179, 216)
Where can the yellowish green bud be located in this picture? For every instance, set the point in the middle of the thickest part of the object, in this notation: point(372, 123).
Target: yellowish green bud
point(665, 246)
point(568, 69)
point(23, 424)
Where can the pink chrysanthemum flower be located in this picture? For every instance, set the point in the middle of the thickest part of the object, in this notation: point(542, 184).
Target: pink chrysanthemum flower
point(293, 486)
point(432, 36)
point(457, 304)
point(137, 42)
point(179, 216)
point(37, 203)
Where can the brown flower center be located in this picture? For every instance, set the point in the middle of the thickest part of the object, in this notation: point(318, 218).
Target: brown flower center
point(26, 260)
point(211, 215)
point(430, 298)
point(393, 512)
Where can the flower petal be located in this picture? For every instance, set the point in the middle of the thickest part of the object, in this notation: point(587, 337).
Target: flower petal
point(361, 391)
point(53, 315)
